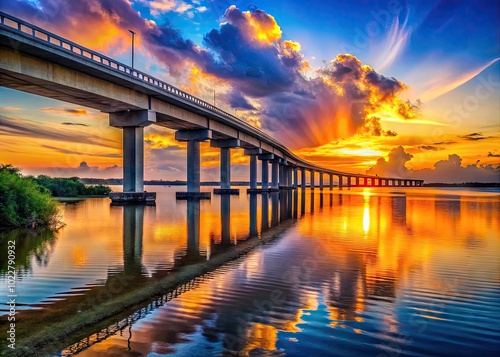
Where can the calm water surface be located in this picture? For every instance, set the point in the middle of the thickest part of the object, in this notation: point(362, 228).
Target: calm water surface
point(365, 272)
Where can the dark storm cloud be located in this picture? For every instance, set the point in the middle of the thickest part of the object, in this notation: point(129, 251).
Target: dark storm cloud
point(236, 100)
point(475, 137)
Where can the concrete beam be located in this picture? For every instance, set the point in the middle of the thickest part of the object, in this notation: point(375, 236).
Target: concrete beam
point(132, 118)
point(222, 129)
point(266, 157)
point(225, 143)
point(193, 135)
point(255, 151)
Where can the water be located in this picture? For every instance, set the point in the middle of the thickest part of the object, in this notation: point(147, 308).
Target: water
point(365, 272)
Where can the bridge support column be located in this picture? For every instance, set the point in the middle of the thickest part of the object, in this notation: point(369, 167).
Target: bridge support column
point(357, 181)
point(265, 158)
point(321, 181)
point(289, 177)
point(281, 174)
point(349, 179)
point(340, 181)
point(295, 178)
point(225, 146)
point(132, 123)
point(331, 182)
point(253, 169)
point(303, 179)
point(274, 174)
point(312, 179)
point(193, 138)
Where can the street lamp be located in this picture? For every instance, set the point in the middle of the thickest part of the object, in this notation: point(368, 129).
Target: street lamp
point(133, 34)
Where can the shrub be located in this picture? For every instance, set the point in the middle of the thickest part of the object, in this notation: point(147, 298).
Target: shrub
point(24, 203)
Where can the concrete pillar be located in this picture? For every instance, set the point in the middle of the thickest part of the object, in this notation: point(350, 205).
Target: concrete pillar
point(357, 181)
point(253, 167)
point(225, 168)
point(132, 123)
point(275, 178)
point(253, 172)
point(340, 181)
point(265, 174)
point(289, 179)
point(133, 159)
point(193, 138)
point(295, 178)
point(193, 166)
point(303, 178)
point(349, 178)
point(281, 175)
point(312, 179)
point(225, 164)
point(331, 182)
point(321, 181)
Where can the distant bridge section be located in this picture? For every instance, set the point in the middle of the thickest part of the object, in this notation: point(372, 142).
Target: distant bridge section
point(36, 61)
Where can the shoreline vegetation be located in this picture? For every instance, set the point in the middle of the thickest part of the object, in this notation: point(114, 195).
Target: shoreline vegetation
point(30, 202)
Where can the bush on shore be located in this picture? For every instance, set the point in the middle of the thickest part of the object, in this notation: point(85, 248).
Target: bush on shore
point(70, 187)
point(23, 202)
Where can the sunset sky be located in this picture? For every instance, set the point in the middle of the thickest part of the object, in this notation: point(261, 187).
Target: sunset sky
point(400, 88)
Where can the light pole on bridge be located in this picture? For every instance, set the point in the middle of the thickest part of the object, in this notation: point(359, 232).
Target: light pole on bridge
point(133, 34)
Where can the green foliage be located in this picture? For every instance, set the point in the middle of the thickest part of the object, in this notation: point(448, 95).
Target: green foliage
point(24, 203)
point(70, 187)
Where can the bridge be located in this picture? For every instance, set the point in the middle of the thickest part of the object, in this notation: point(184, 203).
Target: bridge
point(37, 61)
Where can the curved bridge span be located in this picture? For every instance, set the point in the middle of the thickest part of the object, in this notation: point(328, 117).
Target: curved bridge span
point(36, 61)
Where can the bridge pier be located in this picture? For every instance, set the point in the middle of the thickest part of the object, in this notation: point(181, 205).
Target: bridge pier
point(321, 181)
point(303, 179)
point(132, 124)
point(225, 146)
point(274, 174)
point(340, 181)
point(265, 158)
point(253, 153)
point(331, 182)
point(295, 178)
point(312, 179)
point(193, 138)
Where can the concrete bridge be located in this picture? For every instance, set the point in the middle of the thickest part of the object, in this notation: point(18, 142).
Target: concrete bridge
point(36, 61)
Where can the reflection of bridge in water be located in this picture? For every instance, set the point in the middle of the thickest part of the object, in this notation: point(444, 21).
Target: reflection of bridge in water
point(284, 206)
point(37, 61)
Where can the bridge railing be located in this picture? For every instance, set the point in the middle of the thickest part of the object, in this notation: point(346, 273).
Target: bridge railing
point(39, 34)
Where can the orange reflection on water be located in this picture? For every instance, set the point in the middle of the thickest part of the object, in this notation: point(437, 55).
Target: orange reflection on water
point(355, 252)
